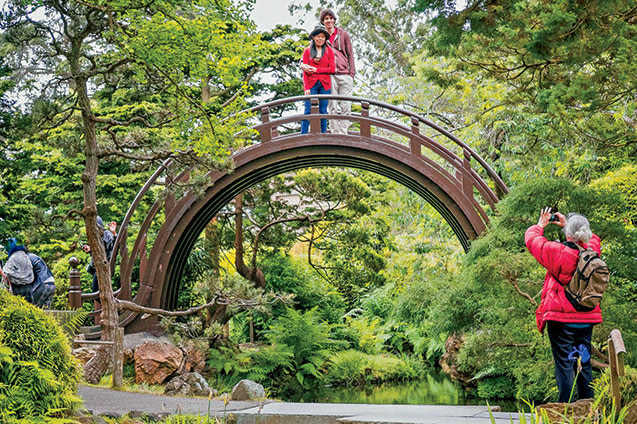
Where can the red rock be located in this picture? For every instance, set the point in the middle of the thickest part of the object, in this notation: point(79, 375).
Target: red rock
point(155, 361)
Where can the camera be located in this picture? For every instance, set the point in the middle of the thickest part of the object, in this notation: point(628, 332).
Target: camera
point(554, 217)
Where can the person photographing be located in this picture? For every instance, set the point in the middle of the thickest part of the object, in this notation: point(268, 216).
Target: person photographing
point(569, 325)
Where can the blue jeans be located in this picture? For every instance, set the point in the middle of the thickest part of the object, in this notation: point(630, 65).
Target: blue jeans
point(563, 339)
point(317, 89)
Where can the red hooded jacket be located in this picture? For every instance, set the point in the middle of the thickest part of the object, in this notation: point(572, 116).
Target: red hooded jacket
point(560, 261)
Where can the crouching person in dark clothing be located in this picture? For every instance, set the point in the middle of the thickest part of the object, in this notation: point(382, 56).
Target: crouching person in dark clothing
point(569, 330)
point(43, 283)
point(18, 270)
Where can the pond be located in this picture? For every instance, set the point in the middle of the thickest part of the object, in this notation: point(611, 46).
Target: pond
point(436, 389)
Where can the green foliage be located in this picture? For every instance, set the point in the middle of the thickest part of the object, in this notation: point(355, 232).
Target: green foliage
point(38, 375)
point(294, 361)
point(566, 78)
point(627, 387)
point(353, 367)
point(501, 339)
point(501, 387)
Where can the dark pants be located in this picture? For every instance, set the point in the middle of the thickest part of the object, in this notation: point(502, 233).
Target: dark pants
point(25, 291)
point(563, 339)
point(317, 89)
point(43, 295)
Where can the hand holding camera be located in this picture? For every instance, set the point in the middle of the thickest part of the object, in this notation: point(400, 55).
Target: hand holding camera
point(551, 215)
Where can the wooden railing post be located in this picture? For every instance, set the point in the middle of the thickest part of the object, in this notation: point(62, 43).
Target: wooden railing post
point(365, 127)
point(118, 358)
point(616, 351)
point(315, 121)
point(75, 285)
point(467, 181)
point(414, 143)
point(266, 133)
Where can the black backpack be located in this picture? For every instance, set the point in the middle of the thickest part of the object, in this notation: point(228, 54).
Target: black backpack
point(589, 281)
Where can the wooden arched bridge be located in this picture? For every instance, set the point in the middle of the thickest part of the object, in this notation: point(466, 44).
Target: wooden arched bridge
point(383, 138)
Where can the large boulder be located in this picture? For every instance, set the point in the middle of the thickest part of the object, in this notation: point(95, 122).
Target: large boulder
point(189, 384)
point(248, 390)
point(155, 361)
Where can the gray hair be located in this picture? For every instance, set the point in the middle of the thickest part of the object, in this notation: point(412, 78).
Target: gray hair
point(577, 228)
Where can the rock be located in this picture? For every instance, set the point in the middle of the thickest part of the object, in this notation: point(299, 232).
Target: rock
point(189, 384)
point(155, 361)
point(194, 358)
point(576, 412)
point(83, 354)
point(248, 390)
point(449, 358)
point(91, 419)
point(631, 416)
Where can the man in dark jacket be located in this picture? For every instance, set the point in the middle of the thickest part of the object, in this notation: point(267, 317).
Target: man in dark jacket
point(43, 282)
point(109, 244)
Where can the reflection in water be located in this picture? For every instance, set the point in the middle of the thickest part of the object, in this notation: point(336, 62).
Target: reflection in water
point(435, 389)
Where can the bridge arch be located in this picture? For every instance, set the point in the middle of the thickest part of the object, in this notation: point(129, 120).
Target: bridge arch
point(387, 140)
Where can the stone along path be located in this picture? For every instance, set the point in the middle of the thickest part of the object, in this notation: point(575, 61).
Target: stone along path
point(116, 403)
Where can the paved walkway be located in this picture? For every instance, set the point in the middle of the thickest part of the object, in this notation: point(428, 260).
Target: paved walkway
point(113, 402)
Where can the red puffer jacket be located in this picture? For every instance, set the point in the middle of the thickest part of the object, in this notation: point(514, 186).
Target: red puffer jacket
point(559, 260)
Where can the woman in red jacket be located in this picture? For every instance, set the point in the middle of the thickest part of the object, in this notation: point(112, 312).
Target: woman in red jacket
point(319, 58)
point(569, 330)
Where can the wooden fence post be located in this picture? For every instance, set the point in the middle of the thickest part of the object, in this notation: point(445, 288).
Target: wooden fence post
point(616, 351)
point(75, 285)
point(118, 358)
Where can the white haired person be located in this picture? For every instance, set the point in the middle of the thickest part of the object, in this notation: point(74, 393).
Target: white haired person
point(18, 270)
point(569, 330)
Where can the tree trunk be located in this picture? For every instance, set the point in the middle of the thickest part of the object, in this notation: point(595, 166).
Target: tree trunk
point(109, 317)
point(253, 274)
point(97, 366)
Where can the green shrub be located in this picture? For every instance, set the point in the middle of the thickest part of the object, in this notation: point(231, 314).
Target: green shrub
point(501, 387)
point(352, 367)
point(38, 374)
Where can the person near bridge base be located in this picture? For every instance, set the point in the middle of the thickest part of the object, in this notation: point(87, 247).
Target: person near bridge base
point(43, 282)
point(109, 243)
point(18, 270)
point(569, 330)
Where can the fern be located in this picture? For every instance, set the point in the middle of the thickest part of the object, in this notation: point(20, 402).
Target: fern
point(38, 375)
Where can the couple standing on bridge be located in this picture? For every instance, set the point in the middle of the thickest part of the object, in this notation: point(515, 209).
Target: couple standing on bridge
point(328, 68)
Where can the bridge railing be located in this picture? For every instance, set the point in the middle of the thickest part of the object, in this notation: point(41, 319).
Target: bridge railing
point(369, 118)
point(279, 119)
